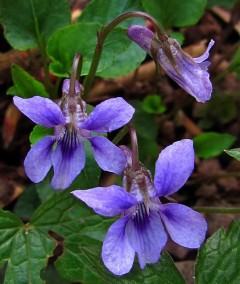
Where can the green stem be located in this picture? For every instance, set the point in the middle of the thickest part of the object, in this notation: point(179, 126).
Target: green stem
point(134, 144)
point(102, 36)
point(120, 135)
point(217, 210)
point(56, 87)
point(42, 48)
point(74, 74)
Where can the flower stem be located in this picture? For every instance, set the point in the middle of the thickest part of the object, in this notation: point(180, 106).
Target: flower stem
point(217, 210)
point(74, 74)
point(102, 36)
point(120, 135)
point(134, 144)
point(42, 48)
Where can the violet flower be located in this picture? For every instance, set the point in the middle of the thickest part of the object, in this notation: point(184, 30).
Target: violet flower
point(141, 228)
point(65, 149)
point(189, 73)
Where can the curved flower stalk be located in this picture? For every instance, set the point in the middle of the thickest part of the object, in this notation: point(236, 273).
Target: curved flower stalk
point(189, 73)
point(141, 228)
point(72, 126)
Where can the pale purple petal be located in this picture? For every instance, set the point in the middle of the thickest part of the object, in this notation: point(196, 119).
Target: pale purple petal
point(142, 36)
point(68, 160)
point(117, 253)
point(40, 110)
point(108, 156)
point(193, 78)
point(107, 201)
point(66, 87)
point(178, 65)
point(205, 55)
point(173, 167)
point(109, 115)
point(147, 236)
point(38, 160)
point(185, 226)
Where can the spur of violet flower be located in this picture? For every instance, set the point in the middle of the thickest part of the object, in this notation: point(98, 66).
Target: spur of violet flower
point(189, 73)
point(144, 218)
point(72, 126)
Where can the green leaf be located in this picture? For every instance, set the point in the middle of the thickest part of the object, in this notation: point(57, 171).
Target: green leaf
point(178, 36)
point(162, 272)
point(44, 188)
point(235, 63)
point(212, 144)
point(28, 246)
point(66, 216)
point(27, 203)
point(38, 133)
point(153, 104)
point(30, 23)
point(218, 260)
point(83, 232)
point(235, 153)
point(148, 152)
point(13, 91)
point(24, 249)
point(133, 54)
point(174, 13)
point(25, 85)
point(223, 3)
point(95, 12)
point(50, 275)
point(83, 39)
point(221, 109)
point(84, 253)
point(143, 122)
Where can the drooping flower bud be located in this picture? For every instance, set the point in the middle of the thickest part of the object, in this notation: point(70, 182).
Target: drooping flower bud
point(189, 73)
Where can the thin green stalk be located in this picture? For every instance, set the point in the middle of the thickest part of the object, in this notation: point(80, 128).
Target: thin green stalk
point(134, 144)
point(217, 210)
point(120, 135)
point(42, 49)
point(102, 36)
point(56, 87)
point(73, 75)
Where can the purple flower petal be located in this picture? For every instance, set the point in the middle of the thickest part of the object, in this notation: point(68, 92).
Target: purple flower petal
point(68, 160)
point(147, 236)
point(205, 55)
point(185, 226)
point(107, 201)
point(190, 76)
point(40, 110)
point(108, 156)
point(66, 87)
point(117, 253)
point(173, 167)
point(178, 65)
point(109, 115)
point(142, 36)
point(38, 160)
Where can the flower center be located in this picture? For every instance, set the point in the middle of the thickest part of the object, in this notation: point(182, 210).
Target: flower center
point(140, 215)
point(69, 139)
